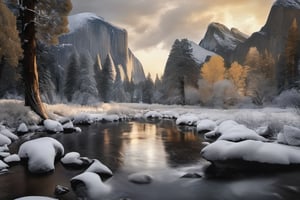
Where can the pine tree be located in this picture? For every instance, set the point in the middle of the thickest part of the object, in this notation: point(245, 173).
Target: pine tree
point(181, 70)
point(147, 89)
point(107, 79)
point(71, 82)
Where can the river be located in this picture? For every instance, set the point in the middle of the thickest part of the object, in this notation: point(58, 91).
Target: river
point(158, 148)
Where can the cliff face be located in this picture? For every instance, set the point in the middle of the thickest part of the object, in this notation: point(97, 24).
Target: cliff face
point(91, 34)
point(272, 37)
point(221, 40)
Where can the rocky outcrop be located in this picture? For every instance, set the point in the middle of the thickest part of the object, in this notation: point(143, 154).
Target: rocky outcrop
point(222, 40)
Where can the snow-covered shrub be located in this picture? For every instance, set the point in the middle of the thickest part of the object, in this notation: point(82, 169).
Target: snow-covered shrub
point(224, 94)
point(191, 95)
point(288, 98)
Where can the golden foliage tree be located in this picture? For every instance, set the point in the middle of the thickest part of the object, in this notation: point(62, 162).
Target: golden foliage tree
point(237, 74)
point(213, 70)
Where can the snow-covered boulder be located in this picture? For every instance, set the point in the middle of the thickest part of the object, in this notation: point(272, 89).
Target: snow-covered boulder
point(35, 198)
point(69, 127)
point(4, 148)
point(60, 190)
point(206, 125)
point(187, 119)
point(12, 158)
point(250, 150)
point(3, 165)
point(9, 134)
point(153, 115)
point(22, 129)
point(41, 154)
point(53, 126)
point(73, 159)
point(4, 140)
point(232, 131)
point(264, 131)
point(110, 118)
point(140, 178)
point(94, 187)
point(289, 136)
point(99, 168)
point(4, 154)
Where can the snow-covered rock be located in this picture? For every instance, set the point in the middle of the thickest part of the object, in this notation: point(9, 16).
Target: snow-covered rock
point(264, 131)
point(140, 178)
point(289, 136)
point(41, 154)
point(232, 131)
point(187, 119)
point(206, 125)
point(153, 114)
point(4, 154)
point(3, 165)
point(69, 127)
point(99, 168)
point(4, 140)
point(22, 128)
point(73, 159)
point(53, 126)
point(4, 148)
point(12, 158)
point(250, 150)
point(199, 53)
point(9, 134)
point(35, 198)
point(60, 190)
point(95, 188)
point(169, 114)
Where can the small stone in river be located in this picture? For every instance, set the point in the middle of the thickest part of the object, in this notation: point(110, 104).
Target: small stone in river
point(60, 190)
point(22, 129)
point(140, 178)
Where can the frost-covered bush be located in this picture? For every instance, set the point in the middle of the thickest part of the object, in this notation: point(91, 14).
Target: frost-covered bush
point(288, 98)
point(191, 95)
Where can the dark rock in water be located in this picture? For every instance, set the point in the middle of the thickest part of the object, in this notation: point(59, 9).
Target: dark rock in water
point(60, 190)
point(234, 168)
point(79, 189)
point(3, 171)
point(191, 175)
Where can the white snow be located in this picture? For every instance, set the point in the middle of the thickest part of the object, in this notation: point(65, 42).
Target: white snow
point(169, 114)
point(95, 187)
point(140, 178)
point(232, 131)
point(12, 158)
point(35, 198)
point(4, 148)
point(9, 134)
point(200, 54)
point(206, 125)
point(68, 125)
point(80, 20)
point(187, 119)
point(3, 165)
point(289, 136)
point(99, 168)
point(72, 158)
point(41, 153)
point(4, 140)
point(22, 128)
point(153, 114)
point(4, 154)
point(53, 126)
point(251, 150)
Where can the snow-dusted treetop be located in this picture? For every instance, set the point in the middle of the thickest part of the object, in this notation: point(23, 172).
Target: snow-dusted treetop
point(79, 20)
point(288, 3)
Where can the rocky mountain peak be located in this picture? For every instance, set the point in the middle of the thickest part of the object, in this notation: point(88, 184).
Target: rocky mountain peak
point(221, 39)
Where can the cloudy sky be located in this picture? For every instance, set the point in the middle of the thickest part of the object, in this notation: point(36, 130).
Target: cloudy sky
point(153, 25)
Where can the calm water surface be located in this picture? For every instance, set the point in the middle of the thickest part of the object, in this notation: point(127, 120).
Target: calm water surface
point(159, 149)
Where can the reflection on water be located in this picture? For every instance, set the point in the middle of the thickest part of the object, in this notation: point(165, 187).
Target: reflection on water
point(159, 149)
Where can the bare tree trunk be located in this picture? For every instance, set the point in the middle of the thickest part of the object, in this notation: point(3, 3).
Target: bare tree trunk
point(30, 73)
